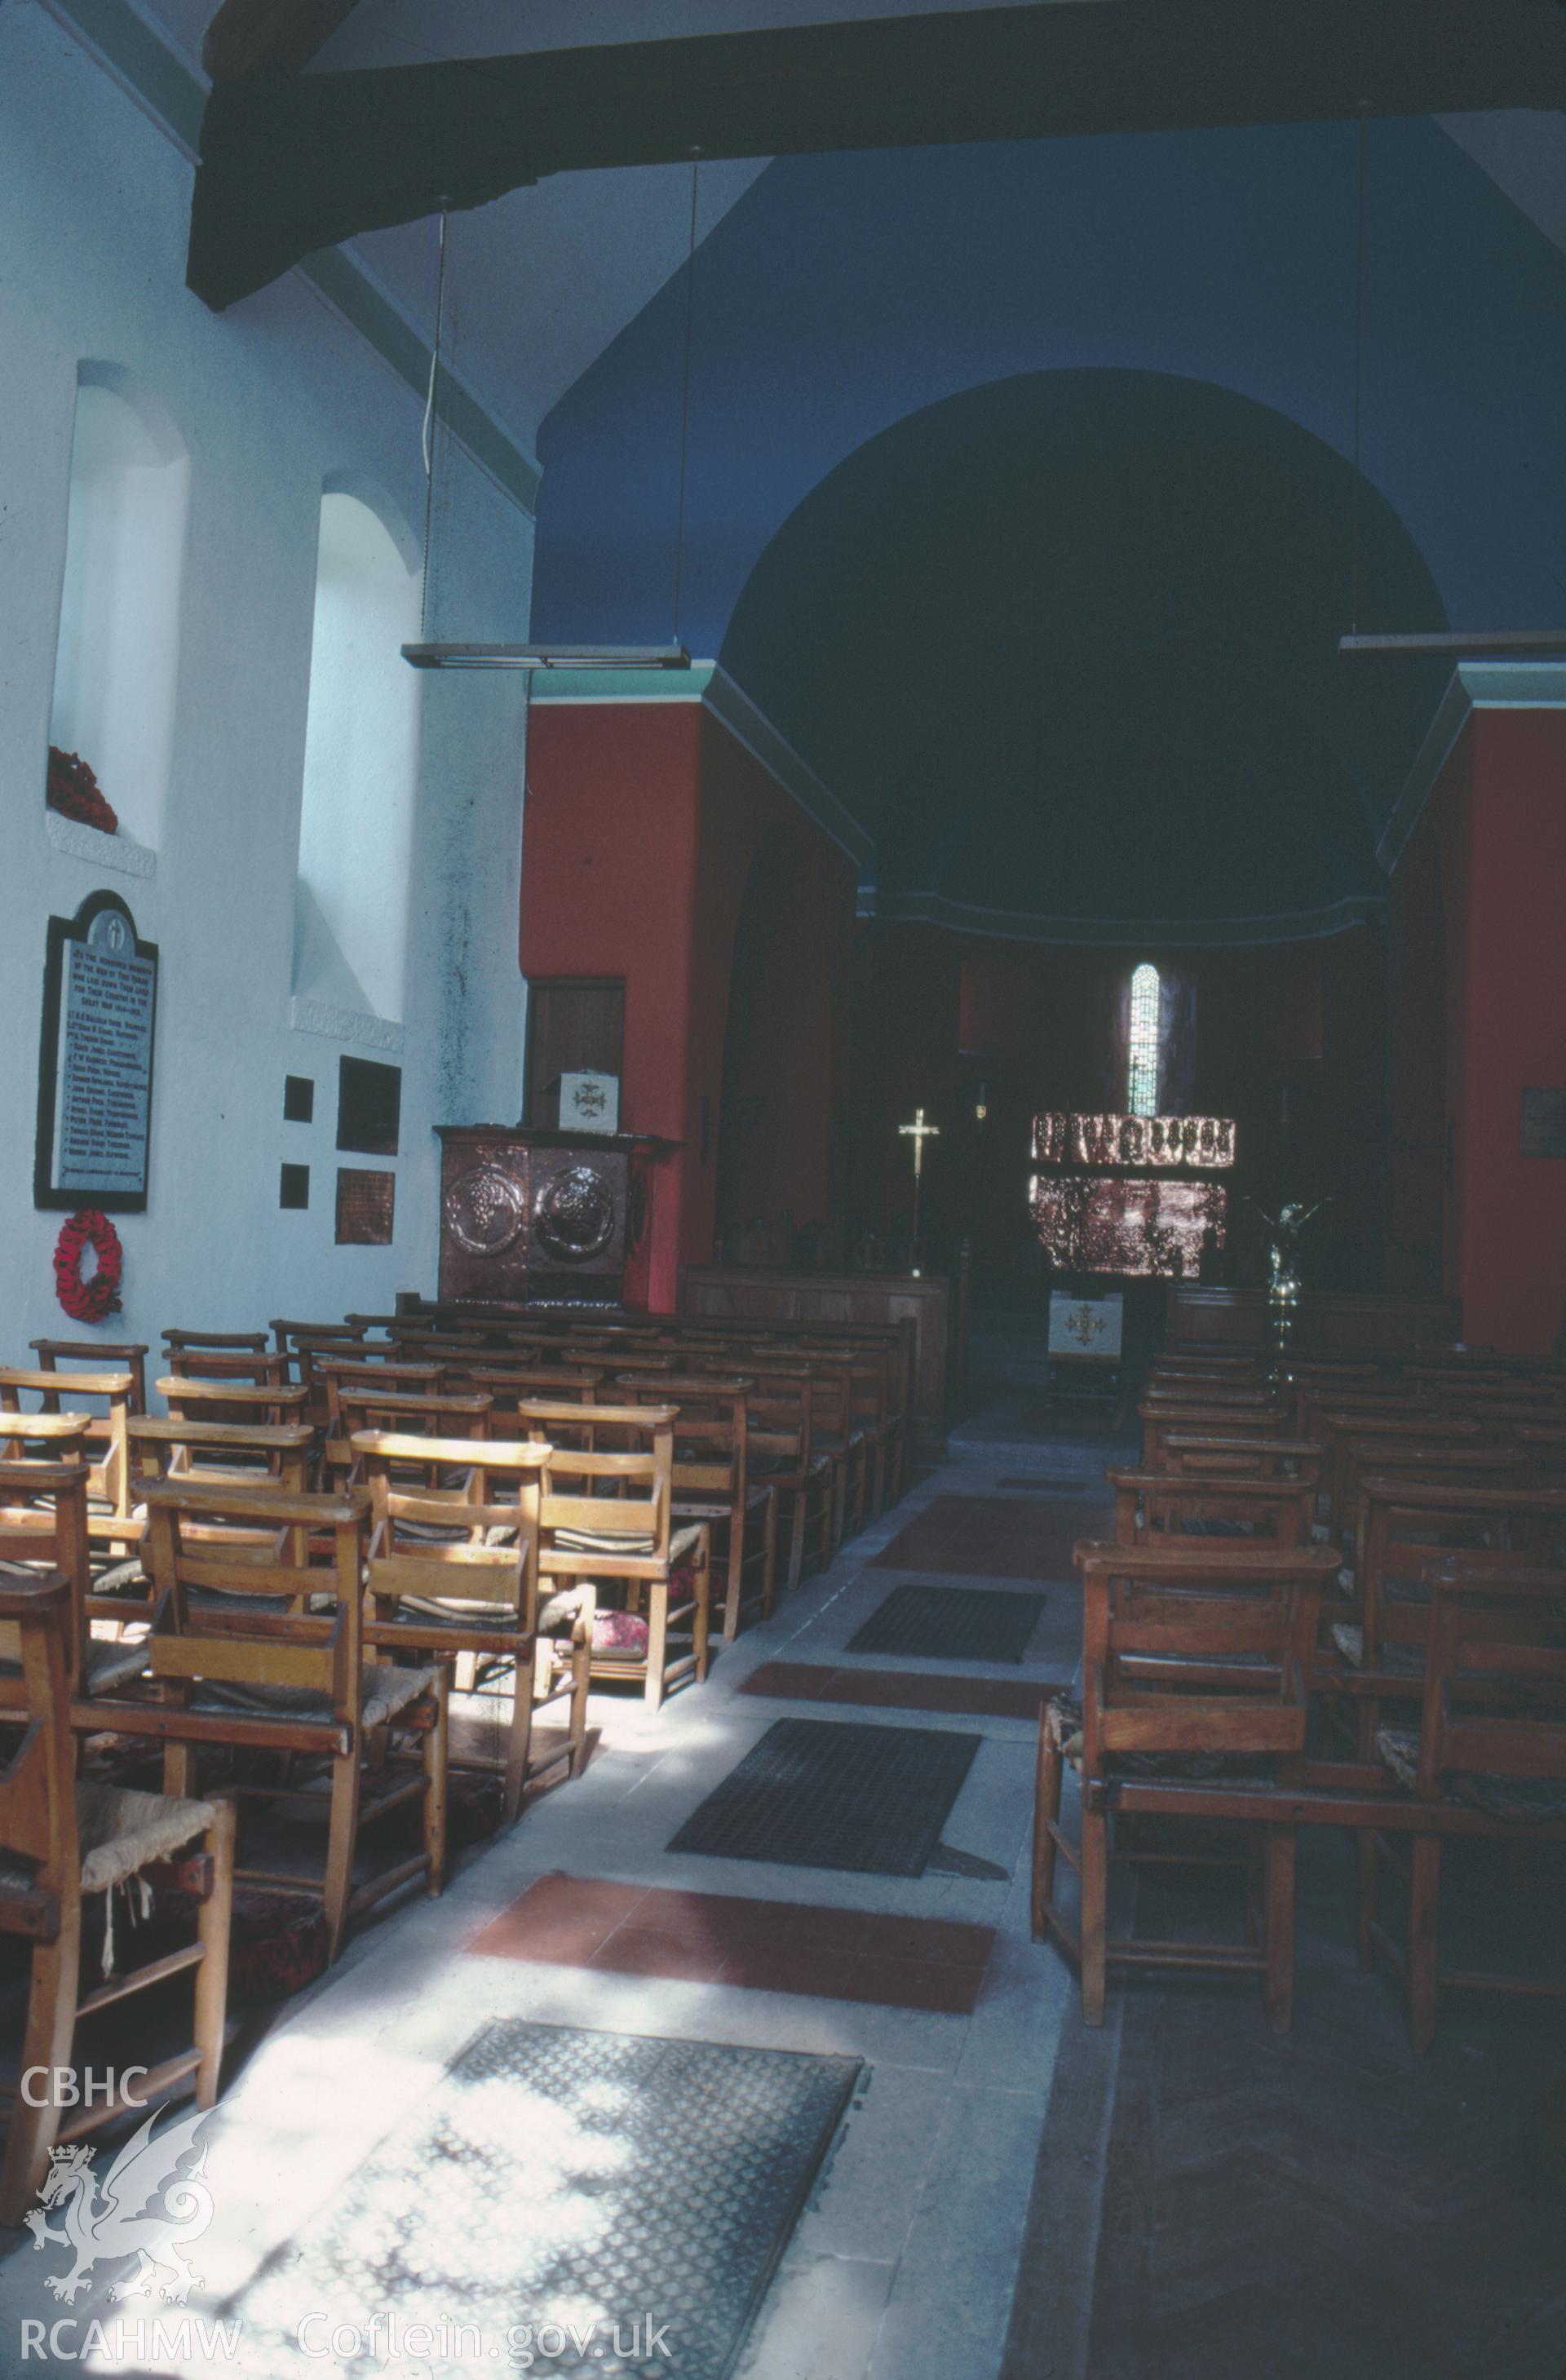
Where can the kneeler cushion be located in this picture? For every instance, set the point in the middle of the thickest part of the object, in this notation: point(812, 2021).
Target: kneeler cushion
point(620, 1632)
point(277, 1940)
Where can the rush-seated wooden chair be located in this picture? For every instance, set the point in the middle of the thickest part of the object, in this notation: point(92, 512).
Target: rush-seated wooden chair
point(1352, 1439)
point(1197, 1663)
point(43, 1529)
point(412, 1413)
point(216, 1342)
point(1190, 1452)
point(232, 1403)
point(782, 1453)
point(652, 1361)
point(509, 1384)
point(63, 1842)
point(712, 1483)
point(1459, 1463)
point(453, 1574)
point(241, 1669)
point(1488, 1755)
point(441, 1347)
point(1178, 1375)
point(1162, 1507)
point(1412, 1525)
point(306, 1347)
point(389, 1376)
point(74, 1356)
point(287, 1335)
point(869, 1425)
point(1159, 1415)
point(224, 1452)
point(607, 1518)
point(104, 1398)
point(1253, 1396)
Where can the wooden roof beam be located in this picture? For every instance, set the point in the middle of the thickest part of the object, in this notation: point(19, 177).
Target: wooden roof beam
point(249, 37)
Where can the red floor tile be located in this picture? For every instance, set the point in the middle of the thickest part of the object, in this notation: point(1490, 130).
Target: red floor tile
point(642, 1951)
point(918, 1983)
point(931, 1941)
point(810, 1974)
point(992, 1537)
point(774, 1946)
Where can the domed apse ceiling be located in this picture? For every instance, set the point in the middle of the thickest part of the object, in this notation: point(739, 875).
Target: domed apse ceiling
point(1066, 646)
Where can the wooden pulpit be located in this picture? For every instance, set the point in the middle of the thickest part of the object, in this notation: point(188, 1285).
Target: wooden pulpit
point(532, 1217)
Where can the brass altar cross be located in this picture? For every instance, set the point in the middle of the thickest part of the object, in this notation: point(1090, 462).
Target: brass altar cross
point(918, 1131)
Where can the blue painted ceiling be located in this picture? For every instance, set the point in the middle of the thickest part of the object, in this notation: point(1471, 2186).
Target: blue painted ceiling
point(1018, 499)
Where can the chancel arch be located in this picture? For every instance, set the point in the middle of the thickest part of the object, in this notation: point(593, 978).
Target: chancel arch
point(361, 759)
point(1066, 645)
point(117, 656)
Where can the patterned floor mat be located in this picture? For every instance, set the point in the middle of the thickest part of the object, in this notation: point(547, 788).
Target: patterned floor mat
point(623, 2200)
point(828, 1793)
point(951, 1623)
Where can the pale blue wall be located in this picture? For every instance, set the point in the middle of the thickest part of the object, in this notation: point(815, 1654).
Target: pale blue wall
point(271, 402)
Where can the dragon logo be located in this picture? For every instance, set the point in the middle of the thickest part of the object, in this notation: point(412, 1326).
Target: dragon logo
point(106, 2215)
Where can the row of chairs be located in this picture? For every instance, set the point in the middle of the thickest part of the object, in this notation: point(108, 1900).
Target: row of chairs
point(269, 1588)
point(784, 1444)
point(1336, 1595)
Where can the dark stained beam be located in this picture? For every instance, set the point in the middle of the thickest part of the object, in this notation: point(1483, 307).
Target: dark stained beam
point(249, 37)
point(294, 164)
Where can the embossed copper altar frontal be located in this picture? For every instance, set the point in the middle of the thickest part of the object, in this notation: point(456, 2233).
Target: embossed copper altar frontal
point(1205, 1144)
point(1092, 1225)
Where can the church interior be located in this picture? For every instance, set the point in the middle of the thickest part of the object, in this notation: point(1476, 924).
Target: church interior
point(783, 1523)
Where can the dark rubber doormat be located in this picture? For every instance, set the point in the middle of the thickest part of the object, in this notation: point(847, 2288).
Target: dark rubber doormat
point(813, 1682)
point(828, 1793)
point(623, 2201)
point(951, 1623)
point(995, 1536)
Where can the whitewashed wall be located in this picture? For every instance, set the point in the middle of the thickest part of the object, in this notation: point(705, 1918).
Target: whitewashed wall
point(274, 401)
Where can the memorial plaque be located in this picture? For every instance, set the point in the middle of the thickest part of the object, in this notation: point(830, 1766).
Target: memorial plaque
point(369, 1100)
point(366, 1203)
point(95, 1061)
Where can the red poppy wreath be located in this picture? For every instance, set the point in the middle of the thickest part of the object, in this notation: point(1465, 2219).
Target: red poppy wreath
point(95, 1300)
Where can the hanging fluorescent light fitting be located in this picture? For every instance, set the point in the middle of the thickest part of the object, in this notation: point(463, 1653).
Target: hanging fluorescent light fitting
point(1475, 643)
point(426, 655)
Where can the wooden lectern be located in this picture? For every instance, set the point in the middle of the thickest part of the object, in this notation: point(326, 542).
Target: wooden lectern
point(533, 1216)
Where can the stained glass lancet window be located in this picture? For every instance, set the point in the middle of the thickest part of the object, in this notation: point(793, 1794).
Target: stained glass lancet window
point(1141, 1095)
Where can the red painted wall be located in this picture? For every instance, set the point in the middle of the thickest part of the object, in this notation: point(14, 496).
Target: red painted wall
point(642, 824)
point(1492, 840)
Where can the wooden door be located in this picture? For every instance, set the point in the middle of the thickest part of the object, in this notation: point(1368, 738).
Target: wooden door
point(574, 1025)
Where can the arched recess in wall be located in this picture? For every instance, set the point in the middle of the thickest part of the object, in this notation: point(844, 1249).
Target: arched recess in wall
point(116, 662)
point(774, 1124)
point(361, 758)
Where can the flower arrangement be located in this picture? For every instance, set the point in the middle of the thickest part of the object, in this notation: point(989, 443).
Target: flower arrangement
point(73, 790)
point(95, 1300)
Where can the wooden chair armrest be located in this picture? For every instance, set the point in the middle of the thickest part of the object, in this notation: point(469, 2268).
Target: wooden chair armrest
point(33, 1598)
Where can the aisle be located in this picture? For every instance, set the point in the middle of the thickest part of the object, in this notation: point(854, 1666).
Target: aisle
point(905, 2256)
